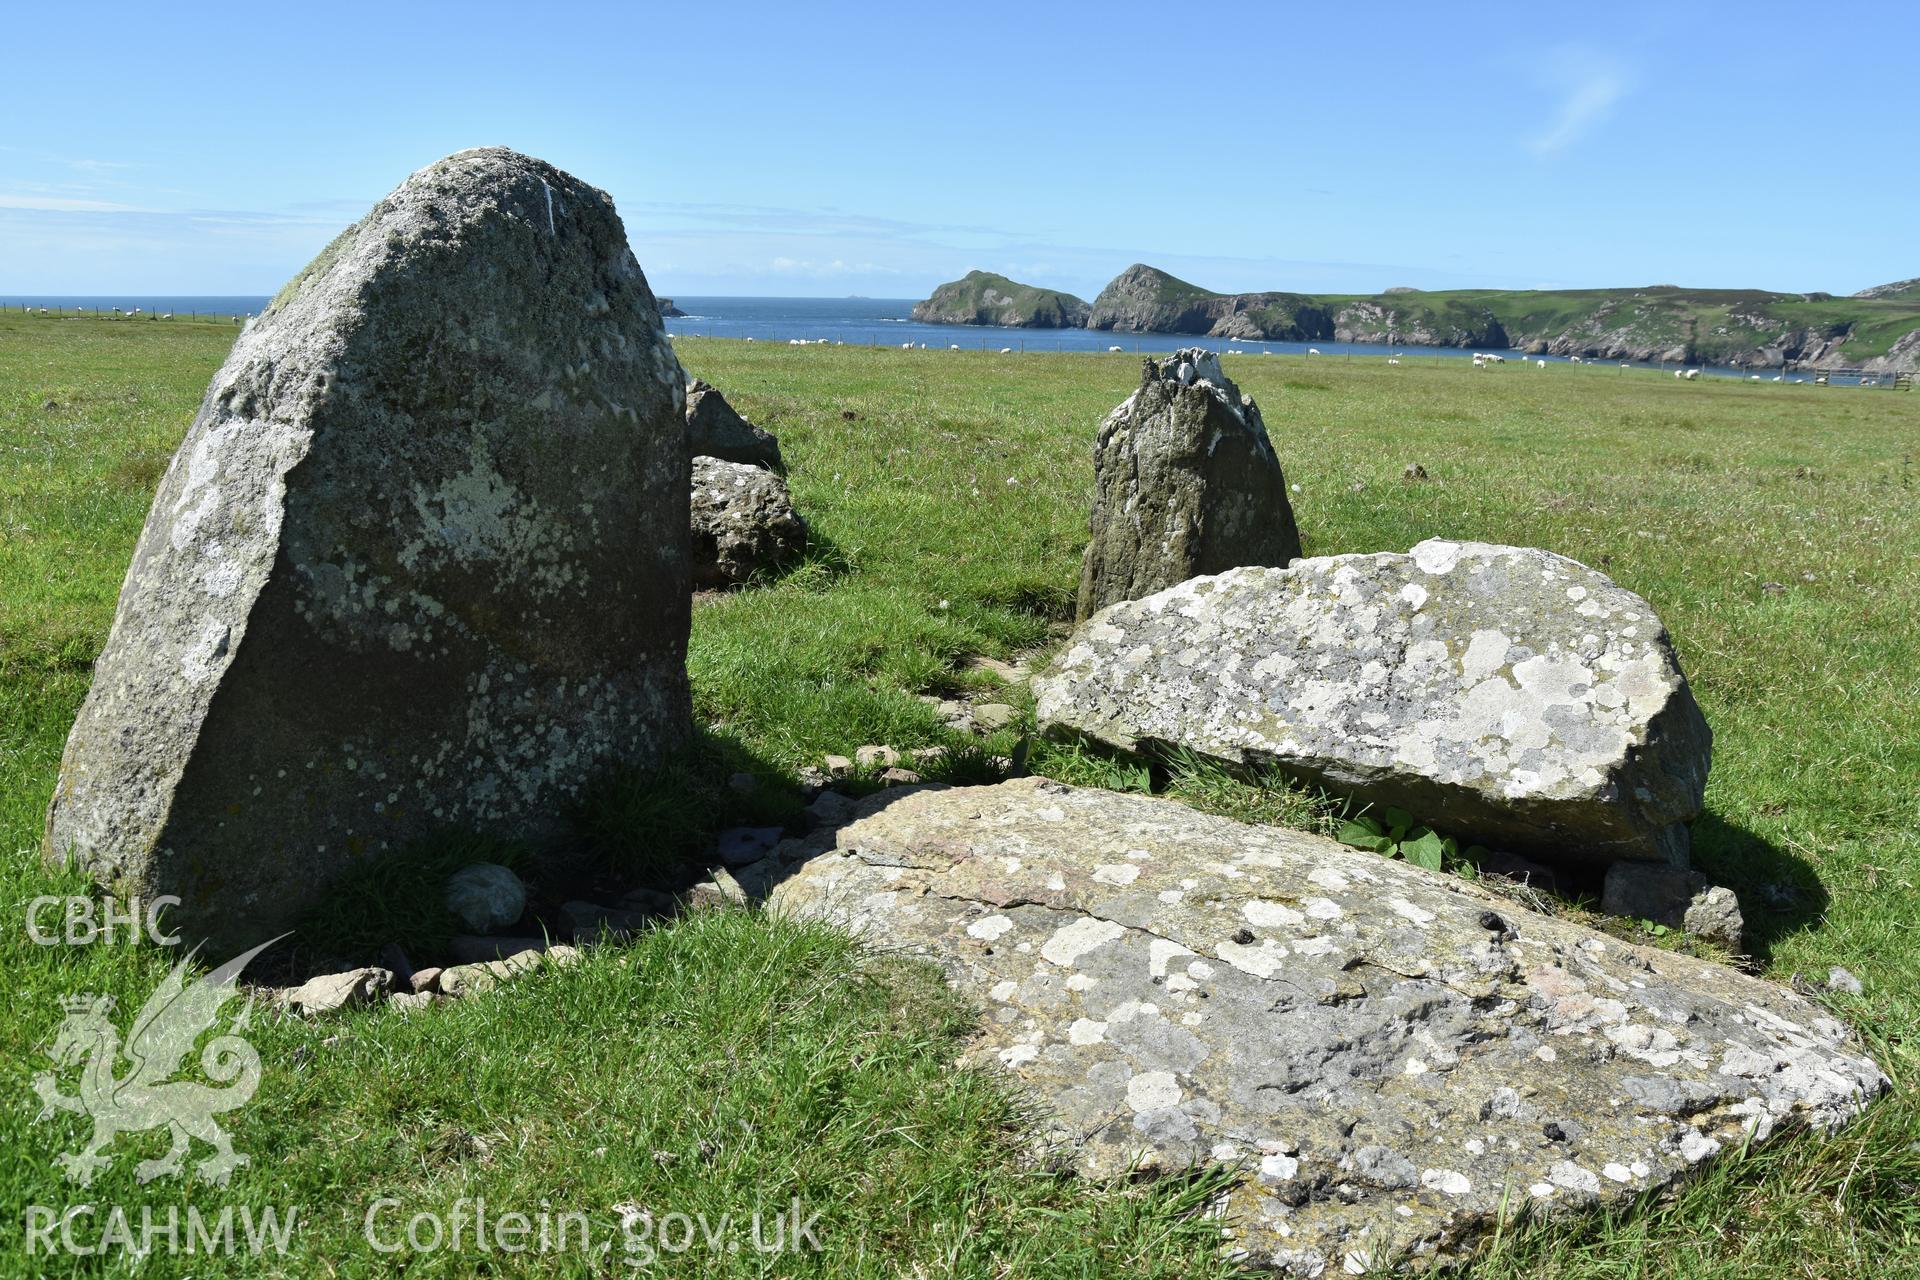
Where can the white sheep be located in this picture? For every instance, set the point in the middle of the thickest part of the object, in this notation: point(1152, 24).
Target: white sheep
point(1392, 360)
point(1539, 364)
point(1110, 350)
point(1006, 351)
point(1692, 374)
point(1313, 351)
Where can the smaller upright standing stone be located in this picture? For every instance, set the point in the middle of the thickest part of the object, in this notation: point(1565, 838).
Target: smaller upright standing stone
point(716, 430)
point(1185, 483)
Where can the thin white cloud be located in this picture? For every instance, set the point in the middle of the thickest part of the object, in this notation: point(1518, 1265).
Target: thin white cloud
point(62, 204)
point(837, 267)
point(1590, 93)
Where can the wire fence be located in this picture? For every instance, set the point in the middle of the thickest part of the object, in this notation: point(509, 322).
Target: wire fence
point(109, 312)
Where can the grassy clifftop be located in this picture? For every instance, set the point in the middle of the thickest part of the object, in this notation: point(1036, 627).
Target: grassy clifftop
point(981, 297)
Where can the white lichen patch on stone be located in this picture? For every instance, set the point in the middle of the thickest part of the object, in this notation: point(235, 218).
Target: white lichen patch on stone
point(989, 928)
point(1072, 941)
point(1152, 1090)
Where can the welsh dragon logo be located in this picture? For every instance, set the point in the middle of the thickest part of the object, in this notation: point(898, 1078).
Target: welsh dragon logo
point(144, 1095)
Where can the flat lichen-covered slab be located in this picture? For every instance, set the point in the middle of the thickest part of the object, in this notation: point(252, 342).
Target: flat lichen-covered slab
point(1387, 1053)
point(1503, 694)
point(420, 562)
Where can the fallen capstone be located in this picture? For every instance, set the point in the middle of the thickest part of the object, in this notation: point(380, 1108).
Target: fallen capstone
point(1185, 482)
point(716, 430)
point(1503, 695)
point(420, 562)
point(743, 524)
point(1391, 1057)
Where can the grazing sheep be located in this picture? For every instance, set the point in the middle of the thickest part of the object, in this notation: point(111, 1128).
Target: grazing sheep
point(1539, 364)
point(1392, 360)
point(1113, 349)
point(1313, 351)
point(1006, 351)
point(1692, 374)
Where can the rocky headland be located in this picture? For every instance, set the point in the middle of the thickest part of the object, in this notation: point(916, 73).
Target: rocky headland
point(1876, 329)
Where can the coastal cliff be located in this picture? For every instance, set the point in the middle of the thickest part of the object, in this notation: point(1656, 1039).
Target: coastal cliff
point(1144, 299)
point(1876, 329)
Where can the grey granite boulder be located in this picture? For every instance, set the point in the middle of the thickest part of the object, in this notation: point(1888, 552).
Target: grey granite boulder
point(420, 562)
point(1390, 1057)
point(1501, 694)
point(1185, 483)
point(743, 524)
point(715, 430)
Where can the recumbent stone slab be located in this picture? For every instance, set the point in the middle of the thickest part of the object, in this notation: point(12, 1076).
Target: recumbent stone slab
point(420, 562)
point(1389, 1055)
point(1505, 695)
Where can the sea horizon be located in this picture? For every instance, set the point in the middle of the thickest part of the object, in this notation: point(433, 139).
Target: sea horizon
point(853, 320)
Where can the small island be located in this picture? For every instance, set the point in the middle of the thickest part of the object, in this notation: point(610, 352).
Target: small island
point(981, 297)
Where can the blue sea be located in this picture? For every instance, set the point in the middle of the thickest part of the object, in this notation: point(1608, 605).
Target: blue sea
point(887, 322)
point(874, 322)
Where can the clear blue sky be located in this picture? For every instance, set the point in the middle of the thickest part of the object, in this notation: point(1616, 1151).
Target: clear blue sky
point(830, 149)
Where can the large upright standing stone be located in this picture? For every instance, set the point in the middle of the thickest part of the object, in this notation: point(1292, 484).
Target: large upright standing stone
point(421, 561)
point(1185, 483)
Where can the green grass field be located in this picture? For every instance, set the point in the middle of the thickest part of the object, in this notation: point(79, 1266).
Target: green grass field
point(726, 1063)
